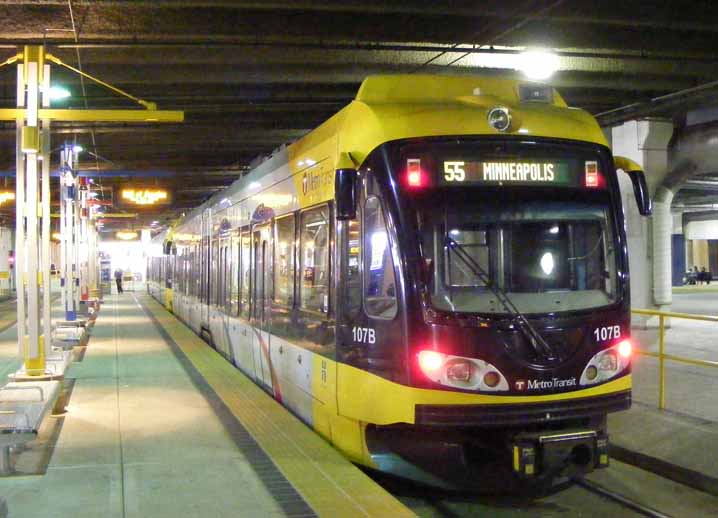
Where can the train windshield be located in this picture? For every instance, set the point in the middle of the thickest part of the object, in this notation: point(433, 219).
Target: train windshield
point(547, 248)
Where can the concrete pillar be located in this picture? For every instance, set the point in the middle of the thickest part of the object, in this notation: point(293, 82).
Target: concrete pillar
point(6, 244)
point(646, 142)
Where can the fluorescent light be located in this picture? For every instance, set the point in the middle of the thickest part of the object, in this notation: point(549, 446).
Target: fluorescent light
point(6, 196)
point(59, 92)
point(126, 235)
point(538, 63)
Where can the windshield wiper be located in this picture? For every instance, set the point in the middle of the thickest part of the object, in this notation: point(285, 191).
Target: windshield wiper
point(539, 345)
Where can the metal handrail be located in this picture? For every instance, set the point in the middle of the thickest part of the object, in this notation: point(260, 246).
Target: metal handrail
point(670, 314)
point(15, 426)
point(661, 354)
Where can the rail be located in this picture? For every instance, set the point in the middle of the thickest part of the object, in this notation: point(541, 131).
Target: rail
point(661, 354)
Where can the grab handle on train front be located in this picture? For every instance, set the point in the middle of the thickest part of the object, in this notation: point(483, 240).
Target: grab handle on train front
point(345, 193)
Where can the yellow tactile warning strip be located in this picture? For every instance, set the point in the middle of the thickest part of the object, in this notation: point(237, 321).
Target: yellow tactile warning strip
point(329, 483)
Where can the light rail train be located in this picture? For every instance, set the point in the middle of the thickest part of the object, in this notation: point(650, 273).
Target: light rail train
point(435, 279)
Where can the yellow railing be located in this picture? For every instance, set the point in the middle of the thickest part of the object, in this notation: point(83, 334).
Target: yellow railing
point(661, 354)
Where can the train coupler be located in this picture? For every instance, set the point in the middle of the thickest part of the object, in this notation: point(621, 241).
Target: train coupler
point(567, 452)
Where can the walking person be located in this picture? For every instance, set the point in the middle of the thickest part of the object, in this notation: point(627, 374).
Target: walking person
point(118, 280)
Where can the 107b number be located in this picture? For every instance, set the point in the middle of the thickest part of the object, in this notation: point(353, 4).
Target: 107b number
point(602, 334)
point(364, 335)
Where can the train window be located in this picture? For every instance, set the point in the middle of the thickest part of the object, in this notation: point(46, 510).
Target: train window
point(315, 260)
point(225, 282)
point(245, 256)
point(190, 271)
point(379, 281)
point(353, 267)
point(193, 272)
point(234, 275)
point(180, 270)
point(213, 270)
point(284, 261)
point(474, 243)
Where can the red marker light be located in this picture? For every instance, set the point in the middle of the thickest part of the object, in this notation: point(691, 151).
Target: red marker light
point(430, 361)
point(625, 348)
point(414, 175)
point(415, 178)
point(593, 178)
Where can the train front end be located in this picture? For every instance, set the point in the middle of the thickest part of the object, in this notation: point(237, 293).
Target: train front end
point(516, 319)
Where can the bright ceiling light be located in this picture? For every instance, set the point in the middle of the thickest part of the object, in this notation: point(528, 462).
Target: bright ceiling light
point(77, 148)
point(58, 92)
point(126, 235)
point(538, 64)
point(6, 196)
point(145, 196)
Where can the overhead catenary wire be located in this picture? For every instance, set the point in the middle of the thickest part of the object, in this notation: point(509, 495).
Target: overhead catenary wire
point(522, 8)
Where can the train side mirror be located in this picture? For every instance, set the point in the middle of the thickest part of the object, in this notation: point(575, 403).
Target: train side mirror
point(345, 193)
point(640, 190)
point(638, 179)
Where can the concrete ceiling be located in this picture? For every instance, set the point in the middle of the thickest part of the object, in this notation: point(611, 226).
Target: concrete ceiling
point(252, 75)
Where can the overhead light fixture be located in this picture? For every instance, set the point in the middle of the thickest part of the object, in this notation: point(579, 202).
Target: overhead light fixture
point(126, 235)
point(6, 196)
point(538, 63)
point(145, 196)
point(59, 92)
point(77, 148)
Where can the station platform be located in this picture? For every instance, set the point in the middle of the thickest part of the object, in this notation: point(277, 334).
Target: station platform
point(158, 424)
point(678, 442)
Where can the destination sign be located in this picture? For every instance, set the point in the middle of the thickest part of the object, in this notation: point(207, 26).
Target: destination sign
point(501, 171)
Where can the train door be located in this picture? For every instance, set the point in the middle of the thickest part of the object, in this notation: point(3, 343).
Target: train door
point(244, 354)
point(371, 336)
point(204, 260)
point(221, 336)
point(261, 300)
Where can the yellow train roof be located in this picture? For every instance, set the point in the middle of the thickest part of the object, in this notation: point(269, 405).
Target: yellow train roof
point(393, 107)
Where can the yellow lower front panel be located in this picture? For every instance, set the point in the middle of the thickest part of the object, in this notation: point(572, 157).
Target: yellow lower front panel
point(370, 398)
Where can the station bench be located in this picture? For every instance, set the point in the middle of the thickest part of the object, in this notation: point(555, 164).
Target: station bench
point(23, 408)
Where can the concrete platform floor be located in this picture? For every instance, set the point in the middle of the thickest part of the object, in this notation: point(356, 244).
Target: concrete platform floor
point(138, 439)
point(679, 442)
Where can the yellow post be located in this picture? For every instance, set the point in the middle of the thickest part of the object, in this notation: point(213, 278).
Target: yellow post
point(35, 366)
point(661, 363)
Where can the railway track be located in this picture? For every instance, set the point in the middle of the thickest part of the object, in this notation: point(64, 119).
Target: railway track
point(619, 491)
point(629, 503)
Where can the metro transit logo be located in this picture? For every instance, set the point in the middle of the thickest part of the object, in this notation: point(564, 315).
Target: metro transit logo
point(522, 385)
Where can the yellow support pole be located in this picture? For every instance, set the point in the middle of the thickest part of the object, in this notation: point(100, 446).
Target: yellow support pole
point(661, 362)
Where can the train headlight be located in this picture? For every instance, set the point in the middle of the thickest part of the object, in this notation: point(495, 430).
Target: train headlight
point(461, 372)
point(499, 118)
point(607, 363)
point(430, 361)
point(492, 378)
